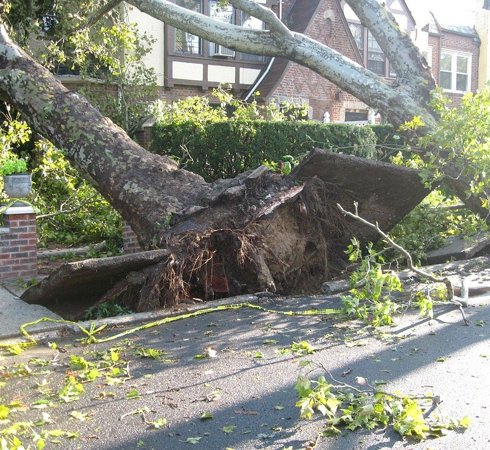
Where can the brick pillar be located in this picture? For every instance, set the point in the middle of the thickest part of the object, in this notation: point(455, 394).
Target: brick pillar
point(18, 243)
point(130, 241)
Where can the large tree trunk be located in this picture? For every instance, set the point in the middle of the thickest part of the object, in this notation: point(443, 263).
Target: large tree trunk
point(258, 231)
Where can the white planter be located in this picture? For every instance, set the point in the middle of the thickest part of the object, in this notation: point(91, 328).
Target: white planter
point(17, 186)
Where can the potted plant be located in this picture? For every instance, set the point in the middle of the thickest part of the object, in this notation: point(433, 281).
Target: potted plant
point(17, 182)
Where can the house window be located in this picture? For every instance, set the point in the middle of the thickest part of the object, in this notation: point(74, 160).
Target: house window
point(454, 72)
point(376, 61)
point(372, 56)
point(224, 13)
point(356, 116)
point(358, 33)
point(188, 43)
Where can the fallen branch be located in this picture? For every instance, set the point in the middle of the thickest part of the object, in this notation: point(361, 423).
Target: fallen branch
point(406, 254)
point(67, 211)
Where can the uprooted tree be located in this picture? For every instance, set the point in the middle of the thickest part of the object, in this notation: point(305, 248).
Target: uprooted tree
point(257, 231)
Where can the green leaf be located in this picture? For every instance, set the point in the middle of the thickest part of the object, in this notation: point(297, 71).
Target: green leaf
point(82, 417)
point(279, 407)
point(4, 411)
point(302, 348)
point(228, 429)
point(332, 404)
point(133, 394)
point(158, 423)
point(206, 416)
point(465, 422)
point(15, 349)
point(193, 440)
point(114, 355)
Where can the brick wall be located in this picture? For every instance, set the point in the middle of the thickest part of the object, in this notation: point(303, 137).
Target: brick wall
point(455, 42)
point(130, 241)
point(323, 96)
point(18, 244)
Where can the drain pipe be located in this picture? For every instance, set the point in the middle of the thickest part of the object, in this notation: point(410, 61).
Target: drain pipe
point(267, 69)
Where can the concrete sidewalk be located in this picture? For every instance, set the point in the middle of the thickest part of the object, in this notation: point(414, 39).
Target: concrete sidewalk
point(14, 312)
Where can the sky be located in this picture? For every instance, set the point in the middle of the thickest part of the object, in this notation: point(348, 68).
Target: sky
point(449, 12)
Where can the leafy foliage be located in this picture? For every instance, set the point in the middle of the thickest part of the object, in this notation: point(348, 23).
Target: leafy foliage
point(130, 86)
point(437, 218)
point(351, 409)
point(371, 287)
point(13, 166)
point(226, 139)
point(108, 58)
point(106, 309)
point(13, 133)
point(58, 188)
point(462, 136)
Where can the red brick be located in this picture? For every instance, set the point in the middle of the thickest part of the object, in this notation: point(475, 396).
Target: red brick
point(25, 223)
point(27, 235)
point(11, 249)
point(18, 242)
point(19, 267)
point(21, 216)
point(17, 230)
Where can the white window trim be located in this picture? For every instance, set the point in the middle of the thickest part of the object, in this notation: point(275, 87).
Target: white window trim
point(454, 54)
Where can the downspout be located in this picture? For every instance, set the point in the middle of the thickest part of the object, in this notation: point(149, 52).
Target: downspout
point(267, 69)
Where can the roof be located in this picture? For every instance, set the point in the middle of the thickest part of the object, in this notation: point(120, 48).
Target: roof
point(435, 27)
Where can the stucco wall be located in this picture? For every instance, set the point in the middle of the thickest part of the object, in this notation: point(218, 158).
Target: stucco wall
point(155, 29)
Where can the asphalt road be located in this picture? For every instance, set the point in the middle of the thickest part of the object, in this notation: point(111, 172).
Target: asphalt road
point(247, 389)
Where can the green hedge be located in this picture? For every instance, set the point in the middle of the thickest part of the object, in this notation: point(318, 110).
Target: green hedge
point(225, 149)
point(387, 139)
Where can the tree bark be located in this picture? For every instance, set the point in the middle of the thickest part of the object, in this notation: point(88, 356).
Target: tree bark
point(258, 231)
point(128, 176)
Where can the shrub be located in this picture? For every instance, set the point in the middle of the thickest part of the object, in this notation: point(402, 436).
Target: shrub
point(388, 140)
point(72, 211)
point(225, 148)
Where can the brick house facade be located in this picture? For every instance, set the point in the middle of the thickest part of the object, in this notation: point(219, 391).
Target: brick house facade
point(288, 81)
point(196, 73)
point(184, 73)
point(453, 54)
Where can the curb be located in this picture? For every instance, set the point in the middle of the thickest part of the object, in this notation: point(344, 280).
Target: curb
point(64, 329)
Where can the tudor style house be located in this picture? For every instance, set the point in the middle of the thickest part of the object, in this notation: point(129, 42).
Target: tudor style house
point(188, 65)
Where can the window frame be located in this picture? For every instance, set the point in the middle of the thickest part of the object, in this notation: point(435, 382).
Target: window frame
point(200, 40)
point(364, 51)
point(205, 45)
point(454, 54)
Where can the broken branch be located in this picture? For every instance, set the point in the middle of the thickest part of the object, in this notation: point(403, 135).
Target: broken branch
point(406, 254)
